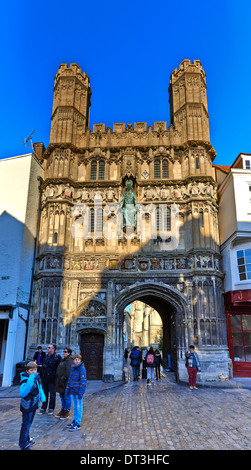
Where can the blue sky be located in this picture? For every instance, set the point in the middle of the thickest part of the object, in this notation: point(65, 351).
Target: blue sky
point(128, 49)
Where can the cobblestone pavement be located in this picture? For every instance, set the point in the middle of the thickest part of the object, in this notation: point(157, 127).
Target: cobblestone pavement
point(135, 416)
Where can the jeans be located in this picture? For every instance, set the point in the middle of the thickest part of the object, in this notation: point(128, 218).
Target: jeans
point(65, 401)
point(49, 389)
point(78, 408)
point(150, 374)
point(24, 437)
point(135, 370)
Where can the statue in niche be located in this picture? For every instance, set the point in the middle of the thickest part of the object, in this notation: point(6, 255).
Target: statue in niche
point(128, 206)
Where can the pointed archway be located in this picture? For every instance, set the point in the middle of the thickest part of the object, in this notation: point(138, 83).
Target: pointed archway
point(171, 305)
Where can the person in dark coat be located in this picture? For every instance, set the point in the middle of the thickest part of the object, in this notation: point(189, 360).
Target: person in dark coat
point(62, 376)
point(157, 363)
point(39, 358)
point(49, 369)
point(135, 362)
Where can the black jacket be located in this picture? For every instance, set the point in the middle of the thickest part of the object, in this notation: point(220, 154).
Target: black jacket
point(49, 368)
point(157, 359)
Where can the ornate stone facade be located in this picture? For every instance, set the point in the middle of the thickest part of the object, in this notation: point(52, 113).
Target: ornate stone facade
point(171, 260)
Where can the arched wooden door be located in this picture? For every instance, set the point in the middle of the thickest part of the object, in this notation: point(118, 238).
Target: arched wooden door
point(92, 345)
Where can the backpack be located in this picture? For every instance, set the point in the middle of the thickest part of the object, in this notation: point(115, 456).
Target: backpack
point(150, 359)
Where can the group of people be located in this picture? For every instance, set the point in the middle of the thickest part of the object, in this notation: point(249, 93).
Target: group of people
point(49, 373)
point(151, 360)
point(46, 375)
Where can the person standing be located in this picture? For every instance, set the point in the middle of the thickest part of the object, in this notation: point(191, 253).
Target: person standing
point(126, 353)
point(76, 388)
point(157, 363)
point(49, 369)
point(193, 366)
point(150, 364)
point(61, 379)
point(39, 358)
point(31, 393)
point(135, 361)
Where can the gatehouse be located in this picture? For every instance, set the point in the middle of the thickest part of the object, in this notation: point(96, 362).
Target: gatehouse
point(130, 213)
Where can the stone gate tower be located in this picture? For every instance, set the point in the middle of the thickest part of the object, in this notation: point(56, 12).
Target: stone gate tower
point(94, 258)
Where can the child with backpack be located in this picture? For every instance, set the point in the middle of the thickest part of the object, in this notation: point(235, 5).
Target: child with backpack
point(31, 393)
point(150, 364)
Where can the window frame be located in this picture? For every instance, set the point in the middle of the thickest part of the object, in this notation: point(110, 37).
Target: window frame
point(99, 171)
point(245, 264)
point(159, 172)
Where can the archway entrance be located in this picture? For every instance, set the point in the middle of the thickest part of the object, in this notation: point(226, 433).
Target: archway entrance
point(92, 345)
point(142, 326)
point(172, 307)
point(161, 336)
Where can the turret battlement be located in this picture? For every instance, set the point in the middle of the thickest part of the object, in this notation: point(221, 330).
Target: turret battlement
point(73, 70)
point(188, 66)
point(121, 127)
point(188, 112)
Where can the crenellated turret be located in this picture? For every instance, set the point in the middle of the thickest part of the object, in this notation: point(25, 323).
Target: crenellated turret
point(71, 104)
point(188, 101)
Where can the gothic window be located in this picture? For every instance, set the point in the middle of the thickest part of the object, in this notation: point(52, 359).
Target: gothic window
point(163, 218)
point(100, 220)
point(55, 238)
point(91, 220)
point(157, 169)
point(197, 163)
point(50, 311)
point(161, 169)
point(158, 219)
point(165, 169)
point(97, 170)
point(101, 170)
point(96, 220)
point(93, 170)
point(167, 219)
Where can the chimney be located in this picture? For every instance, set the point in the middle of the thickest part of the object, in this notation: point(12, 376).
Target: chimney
point(38, 150)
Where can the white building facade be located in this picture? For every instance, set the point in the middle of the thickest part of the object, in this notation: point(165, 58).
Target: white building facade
point(19, 207)
point(235, 238)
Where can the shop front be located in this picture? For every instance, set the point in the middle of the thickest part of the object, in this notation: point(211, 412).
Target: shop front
point(238, 313)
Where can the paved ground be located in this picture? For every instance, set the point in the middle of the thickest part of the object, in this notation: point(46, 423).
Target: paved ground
point(134, 416)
